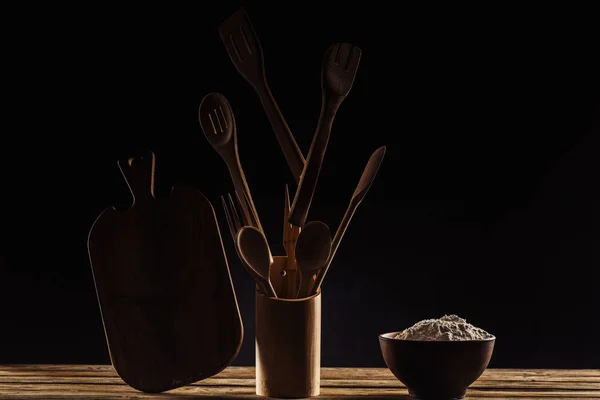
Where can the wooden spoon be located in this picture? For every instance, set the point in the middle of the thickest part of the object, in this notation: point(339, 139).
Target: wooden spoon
point(218, 124)
point(255, 253)
point(312, 252)
point(359, 194)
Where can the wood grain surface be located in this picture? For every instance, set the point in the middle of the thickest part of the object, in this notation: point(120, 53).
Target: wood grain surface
point(288, 346)
point(163, 284)
point(101, 382)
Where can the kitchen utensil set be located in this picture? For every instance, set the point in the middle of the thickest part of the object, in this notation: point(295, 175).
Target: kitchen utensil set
point(308, 246)
point(162, 280)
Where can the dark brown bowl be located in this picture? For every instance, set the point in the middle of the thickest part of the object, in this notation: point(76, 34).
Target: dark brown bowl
point(436, 369)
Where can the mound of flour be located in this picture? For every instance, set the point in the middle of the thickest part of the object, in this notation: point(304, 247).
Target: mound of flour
point(447, 328)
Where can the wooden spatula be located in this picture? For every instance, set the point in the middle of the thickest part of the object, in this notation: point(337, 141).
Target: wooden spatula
point(366, 179)
point(339, 69)
point(245, 52)
point(167, 301)
point(312, 252)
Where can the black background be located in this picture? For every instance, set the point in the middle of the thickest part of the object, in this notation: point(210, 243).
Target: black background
point(486, 205)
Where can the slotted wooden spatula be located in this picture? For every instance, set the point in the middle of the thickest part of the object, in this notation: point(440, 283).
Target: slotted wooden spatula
point(245, 52)
point(167, 301)
point(340, 64)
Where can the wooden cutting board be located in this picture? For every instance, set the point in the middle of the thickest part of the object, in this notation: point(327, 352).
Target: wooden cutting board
point(163, 284)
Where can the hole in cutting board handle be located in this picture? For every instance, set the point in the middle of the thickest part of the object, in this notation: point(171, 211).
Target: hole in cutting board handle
point(138, 172)
point(131, 160)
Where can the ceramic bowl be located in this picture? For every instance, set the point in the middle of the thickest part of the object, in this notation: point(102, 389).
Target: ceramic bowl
point(440, 370)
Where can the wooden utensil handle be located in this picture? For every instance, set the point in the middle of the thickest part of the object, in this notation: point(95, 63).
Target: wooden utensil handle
point(284, 136)
point(287, 237)
point(312, 168)
point(139, 175)
point(237, 176)
point(287, 227)
point(339, 234)
point(291, 269)
point(306, 285)
point(269, 290)
point(241, 185)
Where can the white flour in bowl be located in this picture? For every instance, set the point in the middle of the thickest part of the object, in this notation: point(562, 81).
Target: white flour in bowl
point(447, 328)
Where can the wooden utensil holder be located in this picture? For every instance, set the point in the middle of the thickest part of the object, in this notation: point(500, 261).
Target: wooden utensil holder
point(288, 346)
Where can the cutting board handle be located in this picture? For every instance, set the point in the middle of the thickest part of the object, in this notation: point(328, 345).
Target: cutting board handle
point(139, 175)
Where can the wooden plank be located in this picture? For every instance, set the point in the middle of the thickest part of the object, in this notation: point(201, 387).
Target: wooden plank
point(254, 397)
point(64, 370)
point(101, 382)
point(362, 374)
point(326, 372)
point(541, 372)
point(581, 383)
point(367, 377)
point(123, 392)
point(26, 396)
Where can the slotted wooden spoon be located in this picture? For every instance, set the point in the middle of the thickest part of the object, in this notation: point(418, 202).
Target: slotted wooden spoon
point(338, 72)
point(218, 124)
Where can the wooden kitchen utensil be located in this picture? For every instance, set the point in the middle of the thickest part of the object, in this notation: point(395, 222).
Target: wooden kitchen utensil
point(168, 306)
point(278, 274)
point(290, 235)
point(254, 251)
point(366, 179)
point(218, 124)
point(245, 52)
point(287, 238)
point(234, 225)
point(337, 76)
point(232, 217)
point(253, 214)
point(235, 222)
point(312, 251)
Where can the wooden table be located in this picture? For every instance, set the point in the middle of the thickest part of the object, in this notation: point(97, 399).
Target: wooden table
point(101, 382)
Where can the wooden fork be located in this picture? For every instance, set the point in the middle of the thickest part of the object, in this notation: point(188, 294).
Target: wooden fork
point(236, 220)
